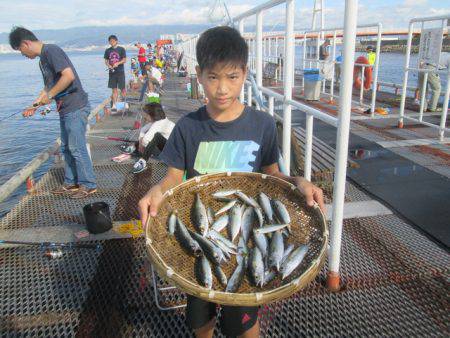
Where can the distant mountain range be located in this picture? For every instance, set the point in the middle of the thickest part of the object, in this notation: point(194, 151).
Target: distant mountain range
point(92, 37)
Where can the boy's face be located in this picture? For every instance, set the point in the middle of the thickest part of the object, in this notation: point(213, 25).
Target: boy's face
point(113, 42)
point(222, 84)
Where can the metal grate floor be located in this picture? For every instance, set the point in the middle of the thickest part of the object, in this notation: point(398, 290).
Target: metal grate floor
point(395, 279)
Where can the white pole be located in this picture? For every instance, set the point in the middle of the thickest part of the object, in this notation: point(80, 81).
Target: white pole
point(259, 49)
point(308, 146)
point(375, 78)
point(405, 77)
point(241, 30)
point(304, 62)
point(351, 11)
point(288, 80)
point(249, 95)
point(423, 97)
point(271, 105)
point(334, 66)
point(444, 108)
point(269, 43)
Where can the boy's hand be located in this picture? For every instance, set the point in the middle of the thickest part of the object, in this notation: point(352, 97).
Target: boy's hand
point(149, 204)
point(311, 192)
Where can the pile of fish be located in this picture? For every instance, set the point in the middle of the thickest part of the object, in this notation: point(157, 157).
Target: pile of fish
point(256, 232)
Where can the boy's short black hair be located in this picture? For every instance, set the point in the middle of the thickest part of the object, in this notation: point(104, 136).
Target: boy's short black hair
point(19, 34)
point(221, 45)
point(155, 111)
point(113, 37)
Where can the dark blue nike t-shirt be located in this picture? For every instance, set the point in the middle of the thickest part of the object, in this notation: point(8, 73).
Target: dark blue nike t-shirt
point(199, 145)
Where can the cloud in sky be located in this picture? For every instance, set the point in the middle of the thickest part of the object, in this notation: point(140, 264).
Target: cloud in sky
point(56, 14)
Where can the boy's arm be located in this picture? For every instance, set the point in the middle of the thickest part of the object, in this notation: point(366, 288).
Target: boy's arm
point(311, 192)
point(149, 204)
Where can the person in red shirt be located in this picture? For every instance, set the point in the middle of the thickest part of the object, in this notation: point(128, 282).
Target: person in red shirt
point(141, 58)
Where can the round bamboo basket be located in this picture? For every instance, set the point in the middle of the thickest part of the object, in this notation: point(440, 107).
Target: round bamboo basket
point(308, 225)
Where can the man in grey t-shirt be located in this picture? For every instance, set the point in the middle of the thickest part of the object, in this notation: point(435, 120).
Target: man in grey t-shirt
point(62, 84)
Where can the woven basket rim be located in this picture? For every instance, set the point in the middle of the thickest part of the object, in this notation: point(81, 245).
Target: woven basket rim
point(227, 298)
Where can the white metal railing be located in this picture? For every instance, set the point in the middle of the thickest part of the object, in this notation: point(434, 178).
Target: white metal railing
point(332, 34)
point(442, 125)
point(257, 56)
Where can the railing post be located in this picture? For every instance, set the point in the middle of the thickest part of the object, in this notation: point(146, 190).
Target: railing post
point(343, 129)
point(241, 30)
point(288, 81)
point(308, 146)
point(271, 105)
point(405, 77)
point(375, 78)
point(259, 48)
point(444, 108)
point(423, 97)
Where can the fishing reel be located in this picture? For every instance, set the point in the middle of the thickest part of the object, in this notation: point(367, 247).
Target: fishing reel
point(46, 110)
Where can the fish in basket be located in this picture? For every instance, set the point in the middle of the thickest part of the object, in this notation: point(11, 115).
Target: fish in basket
point(237, 238)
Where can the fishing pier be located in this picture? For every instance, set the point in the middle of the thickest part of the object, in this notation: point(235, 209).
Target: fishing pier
point(386, 188)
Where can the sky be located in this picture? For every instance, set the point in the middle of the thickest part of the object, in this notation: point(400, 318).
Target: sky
point(57, 14)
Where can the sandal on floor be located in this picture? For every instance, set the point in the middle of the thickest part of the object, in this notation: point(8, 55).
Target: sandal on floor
point(65, 189)
point(83, 192)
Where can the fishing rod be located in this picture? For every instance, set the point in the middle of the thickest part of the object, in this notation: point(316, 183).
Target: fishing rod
point(50, 245)
point(38, 104)
point(110, 138)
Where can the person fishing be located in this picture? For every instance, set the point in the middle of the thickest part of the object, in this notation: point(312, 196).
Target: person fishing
point(62, 84)
point(222, 136)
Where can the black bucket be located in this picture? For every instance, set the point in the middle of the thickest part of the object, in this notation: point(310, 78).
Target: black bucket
point(97, 217)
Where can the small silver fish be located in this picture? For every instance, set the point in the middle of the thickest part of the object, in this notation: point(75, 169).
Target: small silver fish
point(272, 228)
point(264, 202)
point(236, 278)
point(281, 212)
point(200, 217)
point(221, 277)
point(172, 223)
point(216, 235)
point(261, 242)
point(220, 223)
point(210, 214)
point(224, 193)
point(287, 252)
point(260, 216)
point(225, 208)
point(247, 223)
point(203, 272)
point(293, 260)
point(247, 200)
point(212, 252)
point(234, 226)
point(242, 251)
point(276, 251)
point(185, 239)
point(271, 274)
point(257, 267)
point(227, 251)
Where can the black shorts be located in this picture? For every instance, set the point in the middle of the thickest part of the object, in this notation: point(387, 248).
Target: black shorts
point(234, 320)
point(116, 80)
